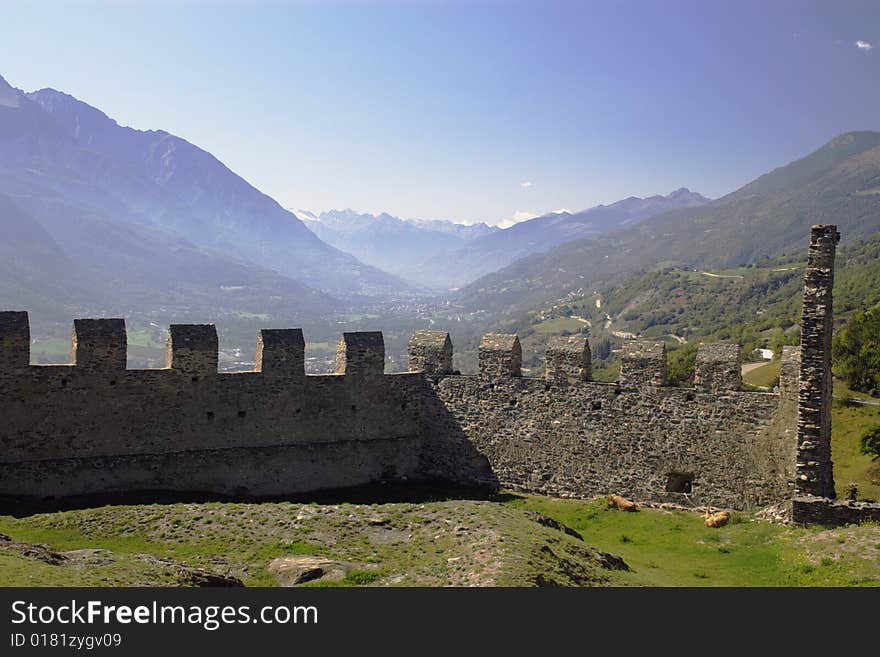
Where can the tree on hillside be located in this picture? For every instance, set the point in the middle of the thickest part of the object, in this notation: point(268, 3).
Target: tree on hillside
point(680, 365)
point(856, 352)
point(780, 339)
point(601, 348)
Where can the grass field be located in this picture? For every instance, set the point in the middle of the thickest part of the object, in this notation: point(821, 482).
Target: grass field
point(557, 325)
point(674, 548)
point(50, 351)
point(443, 542)
point(765, 376)
point(437, 543)
point(849, 422)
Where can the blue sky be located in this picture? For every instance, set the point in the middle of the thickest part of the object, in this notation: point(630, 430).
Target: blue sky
point(470, 111)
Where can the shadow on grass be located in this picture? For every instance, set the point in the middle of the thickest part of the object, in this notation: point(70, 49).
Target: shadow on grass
point(398, 492)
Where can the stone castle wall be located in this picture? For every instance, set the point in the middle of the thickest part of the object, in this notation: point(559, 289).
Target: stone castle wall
point(94, 427)
point(564, 435)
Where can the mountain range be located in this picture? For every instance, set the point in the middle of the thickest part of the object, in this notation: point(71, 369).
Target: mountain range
point(141, 214)
point(838, 183)
point(498, 249)
point(421, 251)
point(395, 245)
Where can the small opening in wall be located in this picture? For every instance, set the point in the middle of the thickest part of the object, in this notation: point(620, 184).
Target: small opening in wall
point(195, 379)
point(547, 387)
point(210, 415)
point(617, 390)
point(596, 405)
point(679, 482)
point(513, 402)
point(113, 382)
point(63, 382)
point(689, 396)
point(491, 386)
point(353, 407)
point(298, 411)
point(241, 413)
point(403, 406)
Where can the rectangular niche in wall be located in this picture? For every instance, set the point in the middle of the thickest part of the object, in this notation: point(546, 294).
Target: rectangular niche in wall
point(679, 482)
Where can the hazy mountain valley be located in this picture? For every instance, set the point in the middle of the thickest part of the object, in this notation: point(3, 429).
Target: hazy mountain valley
point(104, 220)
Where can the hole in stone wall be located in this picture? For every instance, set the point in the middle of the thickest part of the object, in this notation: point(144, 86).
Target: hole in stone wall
point(298, 411)
point(513, 402)
point(241, 413)
point(195, 379)
point(547, 387)
point(63, 382)
point(113, 382)
point(679, 482)
point(689, 396)
point(353, 407)
point(403, 406)
point(617, 391)
point(596, 405)
point(210, 415)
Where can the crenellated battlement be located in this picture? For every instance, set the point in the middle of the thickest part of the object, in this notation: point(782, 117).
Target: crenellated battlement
point(15, 340)
point(99, 344)
point(568, 359)
point(361, 354)
point(718, 367)
point(192, 349)
point(281, 352)
point(500, 355)
point(430, 352)
point(643, 363)
point(276, 430)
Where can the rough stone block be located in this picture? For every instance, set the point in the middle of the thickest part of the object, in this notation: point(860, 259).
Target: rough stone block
point(15, 340)
point(99, 344)
point(361, 353)
point(568, 359)
point(643, 363)
point(192, 348)
point(718, 366)
point(430, 352)
point(500, 355)
point(789, 373)
point(281, 352)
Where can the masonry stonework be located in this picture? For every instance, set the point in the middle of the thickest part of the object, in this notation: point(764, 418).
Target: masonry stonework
point(814, 465)
point(72, 430)
point(94, 427)
point(430, 352)
point(568, 437)
point(568, 359)
point(643, 363)
point(718, 367)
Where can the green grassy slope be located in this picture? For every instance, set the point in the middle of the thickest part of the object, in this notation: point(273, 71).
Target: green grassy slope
point(437, 543)
point(459, 543)
point(674, 548)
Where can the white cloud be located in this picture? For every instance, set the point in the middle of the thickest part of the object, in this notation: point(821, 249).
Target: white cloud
point(863, 45)
point(525, 184)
